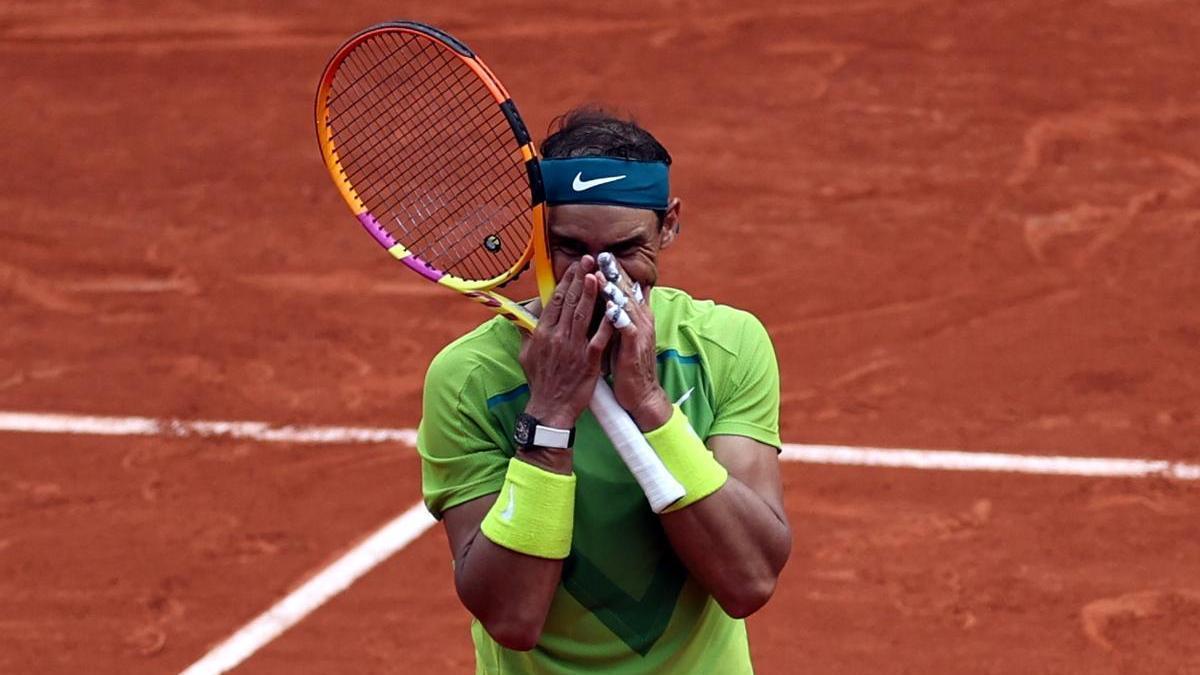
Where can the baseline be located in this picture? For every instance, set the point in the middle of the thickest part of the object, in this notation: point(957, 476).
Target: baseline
point(945, 460)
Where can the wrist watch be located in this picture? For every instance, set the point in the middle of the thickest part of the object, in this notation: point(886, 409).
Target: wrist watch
point(530, 433)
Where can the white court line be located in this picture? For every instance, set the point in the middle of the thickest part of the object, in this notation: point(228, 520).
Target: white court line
point(947, 460)
point(313, 593)
point(412, 523)
point(954, 460)
point(48, 423)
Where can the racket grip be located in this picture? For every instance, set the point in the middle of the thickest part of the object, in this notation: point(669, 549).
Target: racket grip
point(661, 488)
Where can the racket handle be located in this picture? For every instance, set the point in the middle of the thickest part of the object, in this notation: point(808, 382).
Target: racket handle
point(661, 488)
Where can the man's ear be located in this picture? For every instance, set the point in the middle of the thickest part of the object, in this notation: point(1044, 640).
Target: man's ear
point(670, 226)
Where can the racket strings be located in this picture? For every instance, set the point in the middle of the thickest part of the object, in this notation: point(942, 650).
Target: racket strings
point(369, 120)
point(499, 137)
point(364, 131)
point(353, 87)
point(460, 165)
point(429, 152)
point(446, 249)
point(451, 248)
point(399, 175)
point(376, 127)
point(499, 131)
point(383, 125)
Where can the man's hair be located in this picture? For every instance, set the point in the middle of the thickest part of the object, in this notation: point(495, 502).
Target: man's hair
point(592, 131)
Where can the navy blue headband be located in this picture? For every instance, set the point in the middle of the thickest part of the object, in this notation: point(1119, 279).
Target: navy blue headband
point(605, 180)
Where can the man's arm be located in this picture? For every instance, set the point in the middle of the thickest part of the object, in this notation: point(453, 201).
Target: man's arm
point(509, 592)
point(736, 541)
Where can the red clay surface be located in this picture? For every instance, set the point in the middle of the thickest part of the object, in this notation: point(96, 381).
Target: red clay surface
point(969, 225)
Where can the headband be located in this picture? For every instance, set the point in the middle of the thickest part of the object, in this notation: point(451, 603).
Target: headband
point(605, 180)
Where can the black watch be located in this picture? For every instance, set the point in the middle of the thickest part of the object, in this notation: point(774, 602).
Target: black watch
point(530, 433)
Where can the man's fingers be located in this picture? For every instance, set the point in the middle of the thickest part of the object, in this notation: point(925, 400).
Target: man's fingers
point(600, 340)
point(613, 272)
point(616, 316)
point(581, 297)
point(582, 315)
point(627, 311)
point(610, 268)
point(587, 264)
point(552, 311)
point(571, 293)
point(616, 295)
point(639, 312)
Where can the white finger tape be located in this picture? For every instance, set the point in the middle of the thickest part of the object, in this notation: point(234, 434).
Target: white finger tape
point(615, 294)
point(619, 317)
point(608, 265)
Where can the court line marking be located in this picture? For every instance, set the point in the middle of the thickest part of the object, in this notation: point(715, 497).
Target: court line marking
point(51, 423)
point(408, 526)
point(956, 460)
point(901, 458)
point(334, 579)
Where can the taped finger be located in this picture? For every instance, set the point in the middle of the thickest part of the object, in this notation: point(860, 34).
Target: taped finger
point(612, 272)
point(608, 265)
point(615, 294)
point(617, 316)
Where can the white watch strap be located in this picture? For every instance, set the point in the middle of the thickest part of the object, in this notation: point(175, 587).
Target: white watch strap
point(549, 437)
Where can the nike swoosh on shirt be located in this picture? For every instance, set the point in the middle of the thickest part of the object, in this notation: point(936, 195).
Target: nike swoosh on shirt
point(507, 514)
point(580, 185)
point(686, 395)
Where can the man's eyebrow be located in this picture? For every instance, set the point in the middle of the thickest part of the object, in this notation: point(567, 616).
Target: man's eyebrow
point(564, 240)
point(635, 240)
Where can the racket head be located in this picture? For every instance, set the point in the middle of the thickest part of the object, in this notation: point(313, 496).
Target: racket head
point(429, 152)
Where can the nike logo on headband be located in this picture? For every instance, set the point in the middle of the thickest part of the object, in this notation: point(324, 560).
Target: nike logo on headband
point(580, 185)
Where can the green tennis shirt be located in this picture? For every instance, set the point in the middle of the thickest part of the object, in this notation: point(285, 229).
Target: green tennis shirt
point(626, 603)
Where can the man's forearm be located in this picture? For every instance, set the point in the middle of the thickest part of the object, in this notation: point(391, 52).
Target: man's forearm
point(733, 540)
point(734, 544)
point(509, 592)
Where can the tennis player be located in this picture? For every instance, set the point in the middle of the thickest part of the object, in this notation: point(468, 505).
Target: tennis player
point(557, 554)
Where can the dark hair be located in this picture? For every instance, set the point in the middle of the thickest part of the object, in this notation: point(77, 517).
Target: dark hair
point(592, 131)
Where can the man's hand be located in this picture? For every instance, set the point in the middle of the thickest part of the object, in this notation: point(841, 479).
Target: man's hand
point(561, 362)
point(635, 366)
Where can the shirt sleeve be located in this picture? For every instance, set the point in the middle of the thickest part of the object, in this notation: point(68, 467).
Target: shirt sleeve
point(462, 455)
point(747, 402)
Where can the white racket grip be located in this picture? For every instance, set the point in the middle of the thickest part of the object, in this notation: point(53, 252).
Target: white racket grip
point(661, 488)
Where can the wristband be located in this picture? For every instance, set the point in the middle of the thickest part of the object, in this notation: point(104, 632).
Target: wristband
point(687, 458)
point(535, 513)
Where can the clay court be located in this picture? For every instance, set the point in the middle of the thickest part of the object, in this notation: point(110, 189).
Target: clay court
point(968, 226)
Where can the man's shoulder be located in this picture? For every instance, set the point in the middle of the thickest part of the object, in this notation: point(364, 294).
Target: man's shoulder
point(680, 317)
point(494, 343)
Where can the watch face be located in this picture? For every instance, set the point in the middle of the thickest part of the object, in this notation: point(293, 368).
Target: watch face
point(523, 433)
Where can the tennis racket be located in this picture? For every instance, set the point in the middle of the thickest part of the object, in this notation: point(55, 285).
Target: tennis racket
point(428, 150)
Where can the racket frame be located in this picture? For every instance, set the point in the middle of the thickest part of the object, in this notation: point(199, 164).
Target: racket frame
point(535, 250)
point(661, 488)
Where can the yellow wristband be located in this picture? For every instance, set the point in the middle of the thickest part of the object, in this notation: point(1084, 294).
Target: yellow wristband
point(535, 513)
point(687, 458)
